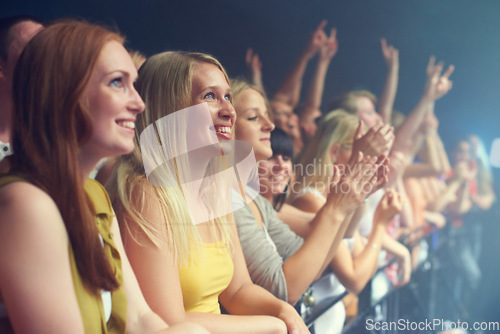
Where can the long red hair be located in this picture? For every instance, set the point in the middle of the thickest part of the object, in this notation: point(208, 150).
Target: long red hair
point(51, 123)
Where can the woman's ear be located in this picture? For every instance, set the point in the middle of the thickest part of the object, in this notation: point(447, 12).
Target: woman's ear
point(334, 149)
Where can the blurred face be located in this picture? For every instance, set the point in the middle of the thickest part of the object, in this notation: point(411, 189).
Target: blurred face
point(21, 34)
point(113, 103)
point(343, 153)
point(462, 153)
point(253, 124)
point(366, 111)
point(274, 174)
point(210, 86)
point(286, 119)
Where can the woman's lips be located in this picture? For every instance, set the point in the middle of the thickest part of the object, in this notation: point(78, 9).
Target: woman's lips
point(224, 132)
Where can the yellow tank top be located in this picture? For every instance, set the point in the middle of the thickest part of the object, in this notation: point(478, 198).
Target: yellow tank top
point(91, 306)
point(203, 280)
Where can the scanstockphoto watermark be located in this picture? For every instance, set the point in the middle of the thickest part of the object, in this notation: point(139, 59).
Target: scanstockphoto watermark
point(438, 325)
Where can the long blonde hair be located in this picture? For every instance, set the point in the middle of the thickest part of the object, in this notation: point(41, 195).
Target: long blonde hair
point(165, 84)
point(315, 165)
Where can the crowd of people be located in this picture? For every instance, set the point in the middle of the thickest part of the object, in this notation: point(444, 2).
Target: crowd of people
point(156, 194)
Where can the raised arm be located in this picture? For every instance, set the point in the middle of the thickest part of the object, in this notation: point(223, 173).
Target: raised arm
point(388, 96)
point(436, 87)
point(311, 109)
point(254, 67)
point(289, 90)
point(317, 252)
point(427, 140)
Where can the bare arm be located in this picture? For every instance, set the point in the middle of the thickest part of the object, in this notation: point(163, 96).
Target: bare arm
point(35, 264)
point(388, 96)
point(289, 91)
point(254, 67)
point(298, 220)
point(328, 227)
point(244, 297)
point(356, 269)
point(158, 278)
point(311, 109)
point(402, 255)
point(436, 87)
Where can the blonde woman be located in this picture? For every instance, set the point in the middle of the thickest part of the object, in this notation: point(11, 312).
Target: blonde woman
point(257, 222)
point(186, 254)
point(356, 259)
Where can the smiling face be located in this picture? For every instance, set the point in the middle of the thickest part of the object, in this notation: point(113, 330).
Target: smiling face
point(210, 85)
point(253, 124)
point(274, 174)
point(113, 103)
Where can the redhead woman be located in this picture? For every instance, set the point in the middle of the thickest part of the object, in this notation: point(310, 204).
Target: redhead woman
point(75, 103)
point(184, 250)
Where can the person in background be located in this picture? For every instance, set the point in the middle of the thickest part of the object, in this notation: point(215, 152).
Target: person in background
point(15, 33)
point(300, 126)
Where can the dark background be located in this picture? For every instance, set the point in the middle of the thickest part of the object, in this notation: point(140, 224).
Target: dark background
point(465, 33)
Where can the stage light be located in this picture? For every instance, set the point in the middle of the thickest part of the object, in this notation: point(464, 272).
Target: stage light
point(495, 153)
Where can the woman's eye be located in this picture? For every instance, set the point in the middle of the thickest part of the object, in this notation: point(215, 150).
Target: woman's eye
point(286, 158)
point(252, 118)
point(209, 96)
point(117, 82)
point(227, 97)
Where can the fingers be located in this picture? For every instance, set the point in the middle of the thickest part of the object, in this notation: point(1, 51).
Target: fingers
point(336, 176)
point(449, 71)
point(333, 35)
point(430, 65)
point(383, 43)
point(359, 131)
point(248, 56)
point(256, 61)
point(322, 25)
point(356, 157)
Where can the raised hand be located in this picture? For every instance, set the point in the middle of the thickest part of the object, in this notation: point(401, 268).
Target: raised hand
point(390, 53)
point(376, 141)
point(388, 207)
point(254, 67)
point(317, 39)
point(350, 187)
point(437, 85)
point(330, 46)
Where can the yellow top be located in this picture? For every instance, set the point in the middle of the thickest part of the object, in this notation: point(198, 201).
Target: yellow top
point(203, 280)
point(91, 306)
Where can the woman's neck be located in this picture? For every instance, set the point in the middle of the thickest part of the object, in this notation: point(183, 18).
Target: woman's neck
point(87, 165)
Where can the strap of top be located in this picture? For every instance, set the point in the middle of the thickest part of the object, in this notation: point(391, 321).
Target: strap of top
point(5, 179)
